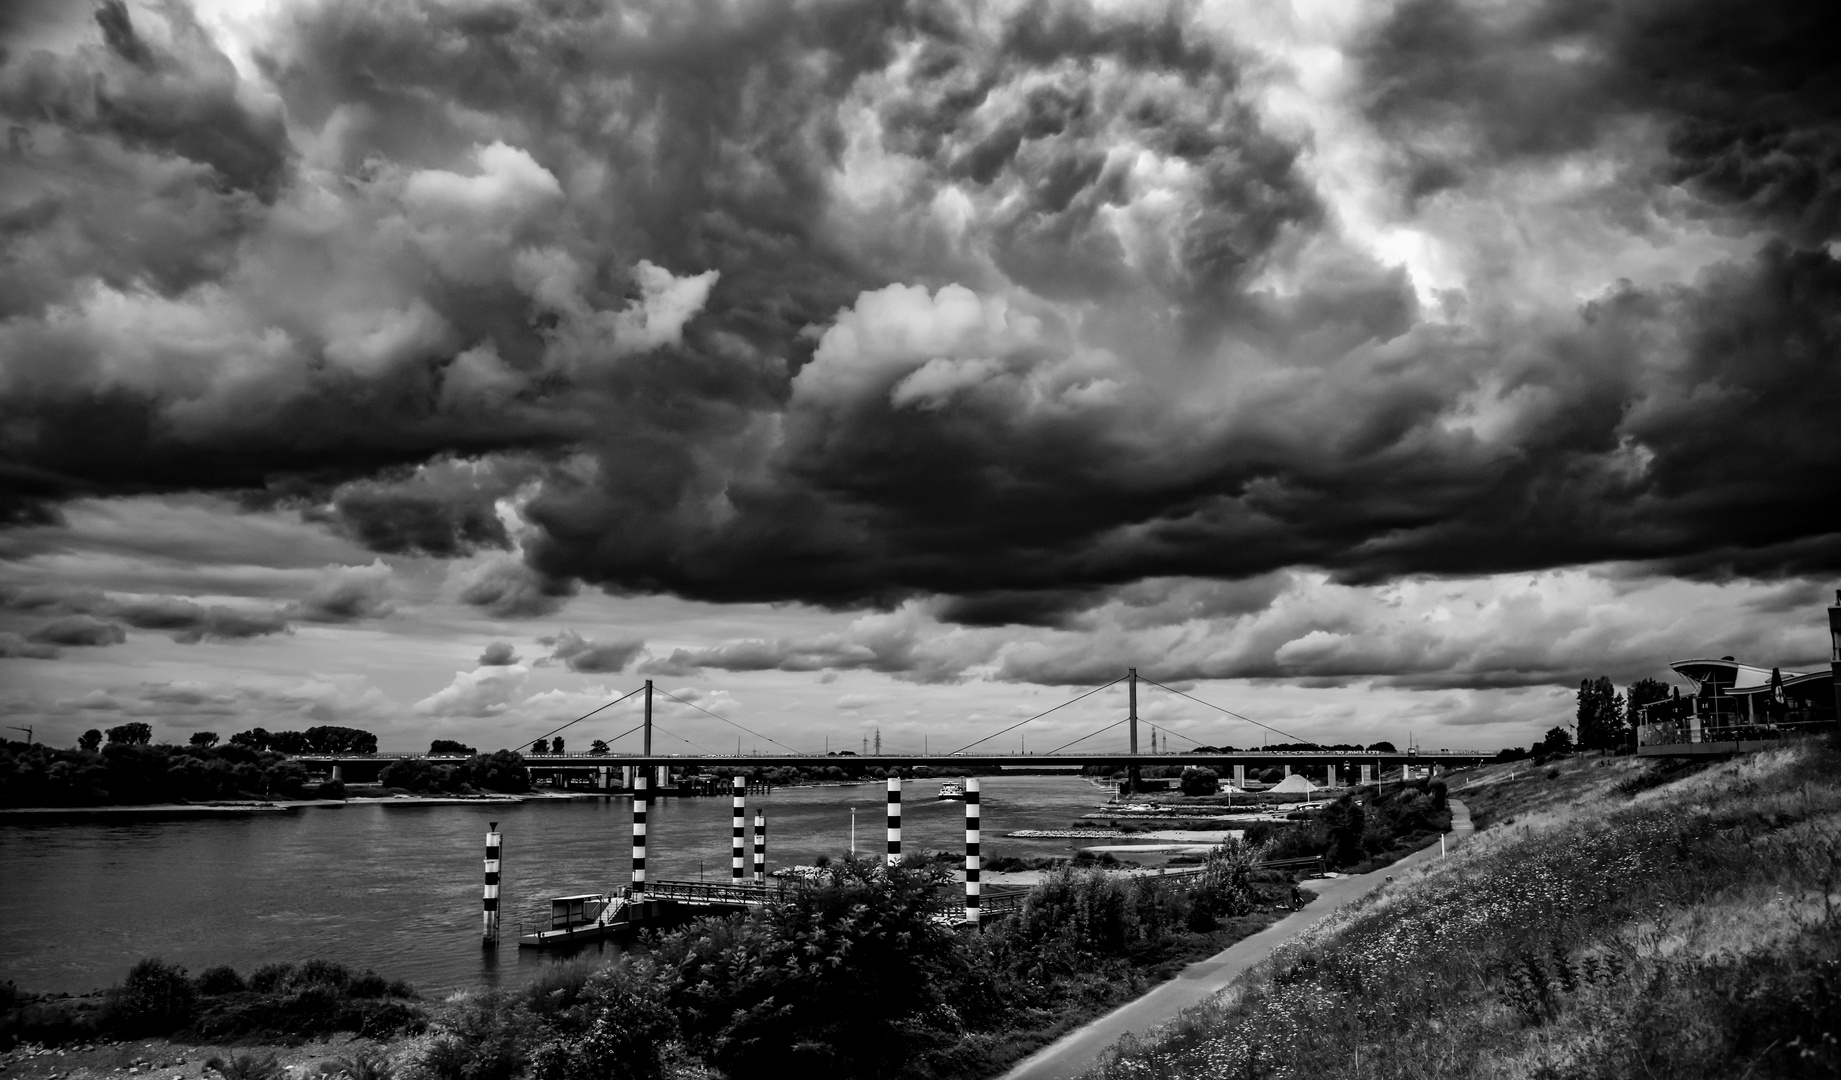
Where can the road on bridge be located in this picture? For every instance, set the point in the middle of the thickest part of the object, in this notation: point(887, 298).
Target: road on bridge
point(1080, 1050)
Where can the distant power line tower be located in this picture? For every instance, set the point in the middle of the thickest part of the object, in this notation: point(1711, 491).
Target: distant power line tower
point(866, 746)
point(878, 742)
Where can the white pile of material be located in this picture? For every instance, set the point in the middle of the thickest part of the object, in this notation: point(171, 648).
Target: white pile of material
point(1293, 785)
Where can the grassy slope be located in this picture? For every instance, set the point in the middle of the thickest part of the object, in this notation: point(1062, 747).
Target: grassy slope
point(1625, 918)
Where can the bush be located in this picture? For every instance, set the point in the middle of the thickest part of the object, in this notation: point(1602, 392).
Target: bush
point(1197, 780)
point(483, 1038)
point(220, 980)
point(156, 998)
point(246, 1067)
point(621, 1026)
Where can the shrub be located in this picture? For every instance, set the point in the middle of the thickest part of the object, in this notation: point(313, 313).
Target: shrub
point(364, 1064)
point(156, 998)
point(269, 978)
point(222, 979)
point(481, 1039)
point(246, 1067)
point(624, 1024)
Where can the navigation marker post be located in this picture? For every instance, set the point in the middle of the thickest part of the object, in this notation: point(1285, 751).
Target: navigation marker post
point(490, 901)
point(972, 861)
point(760, 847)
point(894, 842)
point(738, 829)
point(639, 836)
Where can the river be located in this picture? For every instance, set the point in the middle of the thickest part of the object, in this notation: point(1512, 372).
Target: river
point(396, 887)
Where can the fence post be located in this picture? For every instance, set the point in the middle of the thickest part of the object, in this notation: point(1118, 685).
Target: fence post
point(639, 835)
point(490, 901)
point(972, 860)
point(894, 840)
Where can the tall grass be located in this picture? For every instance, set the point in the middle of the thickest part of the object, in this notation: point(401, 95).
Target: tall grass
point(1684, 928)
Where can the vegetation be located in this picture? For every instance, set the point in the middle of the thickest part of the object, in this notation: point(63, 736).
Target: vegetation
point(157, 998)
point(855, 978)
point(501, 770)
point(1623, 918)
point(129, 771)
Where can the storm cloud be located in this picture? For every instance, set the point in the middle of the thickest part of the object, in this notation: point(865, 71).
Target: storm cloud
point(886, 302)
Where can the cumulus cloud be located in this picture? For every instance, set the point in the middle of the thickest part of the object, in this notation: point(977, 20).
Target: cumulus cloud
point(187, 621)
point(483, 692)
point(1014, 307)
point(14, 646)
point(79, 630)
point(348, 594)
point(498, 654)
point(578, 653)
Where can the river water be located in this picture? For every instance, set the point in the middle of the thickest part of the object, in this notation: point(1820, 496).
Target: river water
point(396, 887)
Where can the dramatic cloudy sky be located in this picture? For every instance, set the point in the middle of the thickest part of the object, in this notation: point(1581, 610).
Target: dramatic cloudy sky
point(447, 367)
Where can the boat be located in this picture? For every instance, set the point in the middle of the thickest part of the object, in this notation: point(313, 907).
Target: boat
point(952, 789)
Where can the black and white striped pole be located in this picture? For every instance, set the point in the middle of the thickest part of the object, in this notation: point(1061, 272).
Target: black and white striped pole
point(639, 835)
point(738, 830)
point(972, 860)
point(760, 847)
point(894, 851)
point(490, 903)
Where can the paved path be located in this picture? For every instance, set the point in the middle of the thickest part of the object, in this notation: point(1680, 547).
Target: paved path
point(1079, 1050)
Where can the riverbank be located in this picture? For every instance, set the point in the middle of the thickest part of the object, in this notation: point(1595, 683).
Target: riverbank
point(1080, 1050)
point(1611, 917)
point(268, 806)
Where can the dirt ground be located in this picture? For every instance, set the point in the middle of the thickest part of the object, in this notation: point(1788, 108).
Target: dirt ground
point(161, 1059)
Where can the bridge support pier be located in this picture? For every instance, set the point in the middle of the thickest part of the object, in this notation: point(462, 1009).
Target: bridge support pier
point(1240, 777)
point(893, 855)
point(972, 860)
point(1367, 772)
point(489, 902)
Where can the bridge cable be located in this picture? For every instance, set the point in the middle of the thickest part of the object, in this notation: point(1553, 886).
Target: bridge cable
point(660, 727)
point(729, 722)
point(586, 715)
point(1090, 734)
point(1218, 708)
point(1040, 715)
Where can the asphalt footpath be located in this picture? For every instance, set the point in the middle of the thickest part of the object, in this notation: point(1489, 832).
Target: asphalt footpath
point(1080, 1049)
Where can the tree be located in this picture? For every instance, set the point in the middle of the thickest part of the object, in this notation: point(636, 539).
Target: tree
point(204, 740)
point(541, 746)
point(1646, 692)
point(450, 746)
point(1344, 821)
point(501, 770)
point(254, 738)
point(89, 740)
point(1557, 741)
point(599, 746)
point(332, 739)
point(1199, 781)
point(1383, 746)
point(130, 734)
point(1600, 715)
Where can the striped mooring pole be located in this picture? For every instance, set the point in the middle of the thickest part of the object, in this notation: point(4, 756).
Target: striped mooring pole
point(738, 830)
point(894, 851)
point(490, 903)
point(972, 861)
point(639, 835)
point(760, 847)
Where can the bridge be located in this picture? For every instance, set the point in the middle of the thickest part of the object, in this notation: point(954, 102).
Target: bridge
point(1130, 758)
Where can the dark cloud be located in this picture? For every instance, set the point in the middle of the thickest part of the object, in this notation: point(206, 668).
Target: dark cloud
point(857, 305)
point(348, 594)
point(582, 654)
point(189, 622)
point(79, 630)
point(14, 646)
point(498, 654)
point(508, 589)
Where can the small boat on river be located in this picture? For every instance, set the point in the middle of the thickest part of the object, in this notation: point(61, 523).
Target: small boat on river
point(952, 789)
